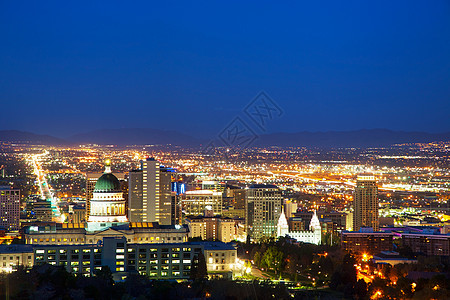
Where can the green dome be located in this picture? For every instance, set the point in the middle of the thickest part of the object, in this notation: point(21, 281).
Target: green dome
point(107, 183)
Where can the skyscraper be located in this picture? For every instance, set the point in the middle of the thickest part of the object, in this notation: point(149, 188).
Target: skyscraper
point(135, 194)
point(262, 210)
point(365, 203)
point(9, 208)
point(150, 194)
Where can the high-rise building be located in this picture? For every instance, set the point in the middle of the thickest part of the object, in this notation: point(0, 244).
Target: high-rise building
point(135, 194)
point(365, 203)
point(150, 194)
point(262, 210)
point(167, 205)
point(9, 208)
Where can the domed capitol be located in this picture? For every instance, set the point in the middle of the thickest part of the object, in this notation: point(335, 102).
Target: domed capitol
point(107, 217)
point(107, 204)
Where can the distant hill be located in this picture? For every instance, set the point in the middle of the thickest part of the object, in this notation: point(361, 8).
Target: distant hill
point(28, 137)
point(135, 136)
point(364, 138)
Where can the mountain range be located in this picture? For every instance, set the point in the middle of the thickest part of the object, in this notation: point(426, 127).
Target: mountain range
point(364, 138)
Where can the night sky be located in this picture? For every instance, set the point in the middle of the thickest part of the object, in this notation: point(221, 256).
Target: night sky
point(193, 67)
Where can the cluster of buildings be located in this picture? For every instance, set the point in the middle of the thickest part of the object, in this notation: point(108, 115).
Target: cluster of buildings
point(141, 223)
point(368, 238)
point(149, 223)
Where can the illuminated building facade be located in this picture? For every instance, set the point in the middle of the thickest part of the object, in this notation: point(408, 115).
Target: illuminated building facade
point(263, 210)
point(196, 202)
point(91, 180)
point(107, 206)
point(150, 194)
point(13, 256)
point(367, 241)
point(157, 261)
point(313, 235)
point(365, 203)
point(211, 228)
point(9, 208)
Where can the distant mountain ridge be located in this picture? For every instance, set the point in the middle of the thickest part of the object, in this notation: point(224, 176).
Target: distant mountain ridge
point(364, 138)
point(135, 136)
point(28, 137)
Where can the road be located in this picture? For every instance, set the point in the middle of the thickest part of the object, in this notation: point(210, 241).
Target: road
point(45, 189)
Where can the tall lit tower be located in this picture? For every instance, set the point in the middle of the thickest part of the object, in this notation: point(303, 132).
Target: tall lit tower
point(365, 203)
point(9, 208)
point(150, 198)
point(262, 210)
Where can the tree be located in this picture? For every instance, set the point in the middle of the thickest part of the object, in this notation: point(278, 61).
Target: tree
point(273, 259)
point(104, 274)
point(360, 289)
point(198, 268)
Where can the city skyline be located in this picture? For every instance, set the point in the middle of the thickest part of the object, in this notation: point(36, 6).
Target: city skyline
point(244, 150)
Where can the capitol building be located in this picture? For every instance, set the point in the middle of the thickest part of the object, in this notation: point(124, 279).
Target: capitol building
point(107, 218)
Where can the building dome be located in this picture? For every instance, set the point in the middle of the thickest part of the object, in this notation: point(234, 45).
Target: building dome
point(107, 205)
point(107, 183)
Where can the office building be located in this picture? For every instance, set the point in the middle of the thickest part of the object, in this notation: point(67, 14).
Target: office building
point(237, 196)
point(263, 210)
point(367, 241)
point(150, 194)
point(9, 208)
point(196, 202)
point(13, 256)
point(76, 214)
point(135, 196)
point(211, 228)
point(157, 261)
point(213, 185)
point(337, 218)
point(43, 210)
point(365, 203)
point(427, 243)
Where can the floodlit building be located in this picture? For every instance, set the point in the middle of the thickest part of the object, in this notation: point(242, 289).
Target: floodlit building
point(365, 203)
point(313, 235)
point(107, 206)
point(91, 180)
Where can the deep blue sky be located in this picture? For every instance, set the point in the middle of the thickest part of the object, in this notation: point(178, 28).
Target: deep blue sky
point(192, 67)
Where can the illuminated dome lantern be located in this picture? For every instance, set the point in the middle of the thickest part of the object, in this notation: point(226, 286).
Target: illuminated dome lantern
point(107, 203)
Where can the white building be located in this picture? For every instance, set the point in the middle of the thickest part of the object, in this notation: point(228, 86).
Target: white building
point(107, 206)
point(313, 235)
